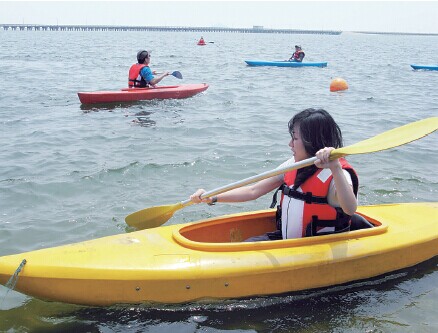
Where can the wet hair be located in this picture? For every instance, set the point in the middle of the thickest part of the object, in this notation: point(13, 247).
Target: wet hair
point(318, 129)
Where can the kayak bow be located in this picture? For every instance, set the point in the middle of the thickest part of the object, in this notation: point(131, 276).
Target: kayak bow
point(426, 67)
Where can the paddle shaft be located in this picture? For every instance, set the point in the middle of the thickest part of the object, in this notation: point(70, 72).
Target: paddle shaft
point(156, 216)
point(253, 179)
point(176, 74)
point(389, 139)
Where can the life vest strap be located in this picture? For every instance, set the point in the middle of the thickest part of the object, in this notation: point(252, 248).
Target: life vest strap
point(138, 83)
point(307, 197)
point(274, 197)
point(341, 224)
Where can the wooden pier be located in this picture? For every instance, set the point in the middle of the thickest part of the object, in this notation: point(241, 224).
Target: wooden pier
point(255, 29)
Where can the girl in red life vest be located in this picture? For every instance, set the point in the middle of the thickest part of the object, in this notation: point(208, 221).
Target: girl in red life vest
point(140, 75)
point(298, 55)
point(317, 199)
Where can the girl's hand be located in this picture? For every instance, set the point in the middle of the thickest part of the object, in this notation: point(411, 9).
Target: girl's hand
point(196, 197)
point(323, 159)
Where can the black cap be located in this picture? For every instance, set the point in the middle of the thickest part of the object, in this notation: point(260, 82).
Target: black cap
point(142, 55)
point(299, 46)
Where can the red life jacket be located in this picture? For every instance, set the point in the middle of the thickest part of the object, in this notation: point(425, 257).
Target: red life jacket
point(134, 78)
point(312, 210)
point(296, 55)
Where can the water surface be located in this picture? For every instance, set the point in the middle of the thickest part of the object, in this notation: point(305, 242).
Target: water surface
point(70, 173)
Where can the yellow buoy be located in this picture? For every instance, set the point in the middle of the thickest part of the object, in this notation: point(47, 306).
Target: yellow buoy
point(338, 84)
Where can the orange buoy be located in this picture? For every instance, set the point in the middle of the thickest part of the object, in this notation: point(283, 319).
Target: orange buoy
point(338, 84)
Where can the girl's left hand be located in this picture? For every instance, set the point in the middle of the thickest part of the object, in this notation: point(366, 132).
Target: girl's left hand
point(323, 158)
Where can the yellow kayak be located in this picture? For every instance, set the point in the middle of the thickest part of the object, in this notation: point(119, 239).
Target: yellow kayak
point(208, 260)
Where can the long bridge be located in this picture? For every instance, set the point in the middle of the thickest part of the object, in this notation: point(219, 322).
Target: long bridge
point(255, 29)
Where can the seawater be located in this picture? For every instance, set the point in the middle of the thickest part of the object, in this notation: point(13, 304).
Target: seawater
point(70, 173)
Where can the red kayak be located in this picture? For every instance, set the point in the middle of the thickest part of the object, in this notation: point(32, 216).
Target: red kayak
point(139, 94)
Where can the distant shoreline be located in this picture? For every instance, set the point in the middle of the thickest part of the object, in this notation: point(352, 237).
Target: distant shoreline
point(394, 33)
point(48, 27)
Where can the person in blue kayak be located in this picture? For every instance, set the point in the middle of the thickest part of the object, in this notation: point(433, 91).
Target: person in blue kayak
point(315, 200)
point(140, 75)
point(298, 55)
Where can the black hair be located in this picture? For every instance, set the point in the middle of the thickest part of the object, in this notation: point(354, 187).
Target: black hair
point(141, 56)
point(318, 129)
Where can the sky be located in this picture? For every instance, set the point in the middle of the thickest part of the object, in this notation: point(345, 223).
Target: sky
point(373, 16)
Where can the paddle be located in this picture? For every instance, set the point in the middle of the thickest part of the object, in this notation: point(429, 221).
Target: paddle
point(156, 216)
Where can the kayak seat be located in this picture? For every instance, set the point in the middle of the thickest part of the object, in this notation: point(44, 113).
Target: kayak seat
point(359, 222)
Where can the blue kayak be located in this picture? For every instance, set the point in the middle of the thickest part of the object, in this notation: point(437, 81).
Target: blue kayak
point(430, 68)
point(285, 63)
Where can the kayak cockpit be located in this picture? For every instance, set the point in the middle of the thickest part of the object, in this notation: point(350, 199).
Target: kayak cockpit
point(229, 232)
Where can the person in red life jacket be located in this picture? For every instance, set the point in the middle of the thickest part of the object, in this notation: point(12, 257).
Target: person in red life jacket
point(298, 55)
point(140, 75)
point(317, 199)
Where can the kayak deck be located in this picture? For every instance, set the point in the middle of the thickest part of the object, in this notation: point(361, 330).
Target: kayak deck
point(208, 260)
point(138, 94)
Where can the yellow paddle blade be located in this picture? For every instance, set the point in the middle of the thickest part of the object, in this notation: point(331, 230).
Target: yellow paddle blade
point(390, 139)
point(152, 217)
